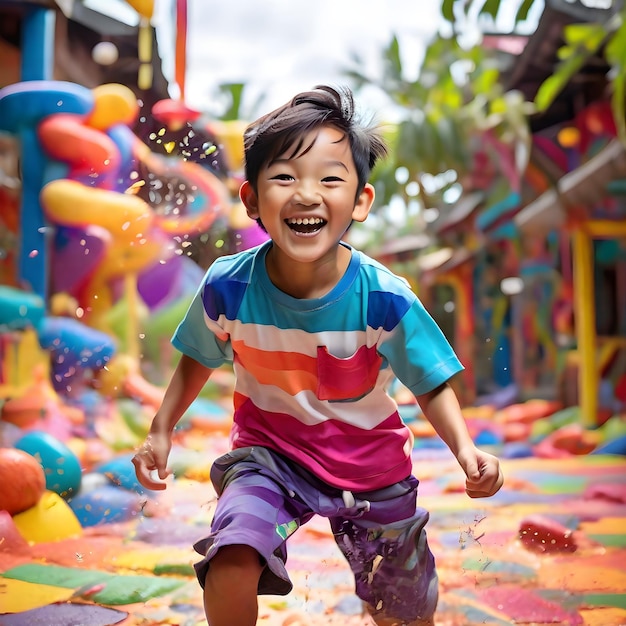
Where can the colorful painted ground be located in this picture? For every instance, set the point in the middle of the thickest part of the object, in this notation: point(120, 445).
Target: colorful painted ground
point(550, 548)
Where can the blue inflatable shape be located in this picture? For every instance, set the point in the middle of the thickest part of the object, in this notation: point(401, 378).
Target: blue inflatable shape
point(74, 347)
point(516, 451)
point(121, 472)
point(616, 446)
point(60, 465)
point(20, 309)
point(487, 438)
point(105, 505)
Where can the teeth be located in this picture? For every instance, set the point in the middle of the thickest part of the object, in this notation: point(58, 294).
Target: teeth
point(305, 221)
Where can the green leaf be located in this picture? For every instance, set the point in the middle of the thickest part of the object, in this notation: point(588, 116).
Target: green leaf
point(616, 47)
point(588, 36)
point(524, 9)
point(447, 10)
point(486, 81)
point(553, 85)
point(491, 7)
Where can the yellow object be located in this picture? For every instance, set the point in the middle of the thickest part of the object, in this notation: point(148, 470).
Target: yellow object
point(230, 135)
point(147, 561)
point(125, 216)
point(584, 313)
point(51, 519)
point(111, 378)
point(568, 137)
point(17, 596)
point(145, 8)
point(24, 363)
point(113, 104)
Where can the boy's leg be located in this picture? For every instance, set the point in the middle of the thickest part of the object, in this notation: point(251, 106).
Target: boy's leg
point(245, 553)
point(393, 567)
point(231, 584)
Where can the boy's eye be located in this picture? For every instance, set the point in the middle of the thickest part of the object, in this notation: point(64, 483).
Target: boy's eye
point(332, 179)
point(282, 177)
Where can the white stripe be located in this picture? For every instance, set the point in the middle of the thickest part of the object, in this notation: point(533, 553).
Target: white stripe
point(342, 344)
point(366, 413)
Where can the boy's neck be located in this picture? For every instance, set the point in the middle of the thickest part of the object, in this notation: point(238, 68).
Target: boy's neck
point(306, 281)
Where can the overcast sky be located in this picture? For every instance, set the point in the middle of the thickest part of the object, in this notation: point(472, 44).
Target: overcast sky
point(280, 47)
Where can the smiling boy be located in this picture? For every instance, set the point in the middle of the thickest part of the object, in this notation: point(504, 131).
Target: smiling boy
point(316, 331)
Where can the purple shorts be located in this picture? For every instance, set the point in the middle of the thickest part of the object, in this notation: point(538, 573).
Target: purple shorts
point(264, 498)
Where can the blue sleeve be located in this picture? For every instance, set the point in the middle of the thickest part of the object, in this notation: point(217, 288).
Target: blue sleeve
point(200, 337)
point(418, 352)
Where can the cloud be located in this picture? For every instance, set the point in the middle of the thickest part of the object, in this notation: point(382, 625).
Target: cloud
point(280, 47)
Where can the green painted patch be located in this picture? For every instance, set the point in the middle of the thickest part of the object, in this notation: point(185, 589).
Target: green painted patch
point(121, 590)
point(179, 569)
point(610, 540)
point(102, 587)
point(556, 484)
point(617, 600)
point(57, 576)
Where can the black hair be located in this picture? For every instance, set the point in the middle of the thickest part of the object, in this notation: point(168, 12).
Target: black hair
point(283, 130)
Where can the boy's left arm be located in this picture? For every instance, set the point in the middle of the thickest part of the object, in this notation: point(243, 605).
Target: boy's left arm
point(441, 408)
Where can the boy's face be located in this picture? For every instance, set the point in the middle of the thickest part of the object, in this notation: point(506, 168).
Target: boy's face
point(307, 202)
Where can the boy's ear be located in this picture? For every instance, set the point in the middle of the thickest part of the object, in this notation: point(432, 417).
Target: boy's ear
point(249, 198)
point(364, 203)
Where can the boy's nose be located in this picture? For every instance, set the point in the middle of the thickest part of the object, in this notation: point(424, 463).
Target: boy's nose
point(307, 195)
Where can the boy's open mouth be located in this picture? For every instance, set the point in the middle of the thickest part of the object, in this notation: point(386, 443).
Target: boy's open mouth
point(305, 224)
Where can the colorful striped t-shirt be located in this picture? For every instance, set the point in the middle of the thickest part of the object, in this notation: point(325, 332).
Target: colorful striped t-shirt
point(312, 375)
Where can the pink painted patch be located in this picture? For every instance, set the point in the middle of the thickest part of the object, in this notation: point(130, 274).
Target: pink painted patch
point(525, 607)
point(610, 492)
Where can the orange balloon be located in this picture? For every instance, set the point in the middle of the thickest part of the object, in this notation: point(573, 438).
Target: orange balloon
point(113, 104)
point(145, 8)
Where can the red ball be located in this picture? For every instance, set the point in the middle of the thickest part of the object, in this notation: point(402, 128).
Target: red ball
point(22, 478)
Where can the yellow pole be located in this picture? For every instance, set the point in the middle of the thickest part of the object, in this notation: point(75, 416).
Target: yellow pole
point(584, 311)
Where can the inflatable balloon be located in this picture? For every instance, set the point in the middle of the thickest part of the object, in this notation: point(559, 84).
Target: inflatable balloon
point(126, 216)
point(20, 309)
point(61, 467)
point(76, 255)
point(145, 8)
point(22, 479)
point(91, 154)
point(105, 505)
point(51, 519)
point(113, 104)
point(22, 107)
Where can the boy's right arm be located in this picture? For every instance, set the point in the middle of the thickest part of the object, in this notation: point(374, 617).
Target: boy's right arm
point(186, 383)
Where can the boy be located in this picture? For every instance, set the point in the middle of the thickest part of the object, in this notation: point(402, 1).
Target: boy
point(315, 331)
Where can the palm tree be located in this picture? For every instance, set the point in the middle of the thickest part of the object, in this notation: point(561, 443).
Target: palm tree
point(582, 41)
point(453, 112)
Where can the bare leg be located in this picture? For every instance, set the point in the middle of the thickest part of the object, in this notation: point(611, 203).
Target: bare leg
point(230, 591)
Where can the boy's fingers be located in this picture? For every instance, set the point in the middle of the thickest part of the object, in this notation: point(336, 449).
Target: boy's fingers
point(143, 470)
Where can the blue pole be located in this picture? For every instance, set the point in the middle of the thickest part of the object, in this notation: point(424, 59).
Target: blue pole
point(37, 64)
point(38, 44)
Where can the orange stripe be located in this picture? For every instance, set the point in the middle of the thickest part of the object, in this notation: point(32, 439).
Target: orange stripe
point(290, 371)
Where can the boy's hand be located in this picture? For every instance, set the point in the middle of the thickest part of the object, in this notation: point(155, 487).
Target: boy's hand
point(484, 476)
point(150, 456)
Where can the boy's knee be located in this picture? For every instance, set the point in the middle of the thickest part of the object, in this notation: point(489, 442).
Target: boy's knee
point(236, 564)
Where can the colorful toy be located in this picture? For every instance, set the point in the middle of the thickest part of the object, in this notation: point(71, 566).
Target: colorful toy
point(51, 519)
point(105, 505)
point(61, 466)
point(22, 478)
